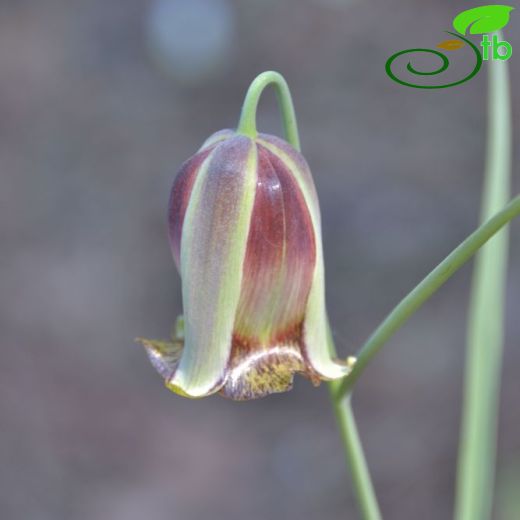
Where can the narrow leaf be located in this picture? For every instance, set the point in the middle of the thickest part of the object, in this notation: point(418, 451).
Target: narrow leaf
point(476, 465)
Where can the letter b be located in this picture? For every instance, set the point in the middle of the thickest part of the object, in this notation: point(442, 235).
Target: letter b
point(497, 55)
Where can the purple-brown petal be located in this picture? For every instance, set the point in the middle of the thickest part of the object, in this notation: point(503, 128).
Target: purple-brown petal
point(280, 256)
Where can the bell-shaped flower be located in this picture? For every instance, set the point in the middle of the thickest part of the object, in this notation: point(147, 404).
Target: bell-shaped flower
point(244, 227)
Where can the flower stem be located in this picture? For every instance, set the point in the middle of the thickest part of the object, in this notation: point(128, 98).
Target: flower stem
point(425, 289)
point(485, 338)
point(247, 122)
point(354, 455)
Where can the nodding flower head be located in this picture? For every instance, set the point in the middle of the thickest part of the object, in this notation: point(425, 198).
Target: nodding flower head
point(245, 233)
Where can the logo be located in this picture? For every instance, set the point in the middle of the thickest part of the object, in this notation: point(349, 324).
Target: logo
point(480, 20)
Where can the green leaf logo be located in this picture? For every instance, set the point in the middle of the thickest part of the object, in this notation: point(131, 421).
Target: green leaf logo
point(484, 19)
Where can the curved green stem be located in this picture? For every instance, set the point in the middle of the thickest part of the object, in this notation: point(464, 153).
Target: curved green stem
point(363, 488)
point(247, 122)
point(429, 285)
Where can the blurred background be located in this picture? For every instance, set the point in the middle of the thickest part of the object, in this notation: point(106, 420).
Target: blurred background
point(100, 103)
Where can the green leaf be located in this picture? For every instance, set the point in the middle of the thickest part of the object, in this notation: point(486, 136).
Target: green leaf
point(483, 19)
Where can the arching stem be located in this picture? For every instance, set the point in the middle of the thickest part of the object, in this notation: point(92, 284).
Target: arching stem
point(247, 122)
point(363, 488)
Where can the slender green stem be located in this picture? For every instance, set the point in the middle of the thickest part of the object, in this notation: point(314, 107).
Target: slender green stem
point(428, 286)
point(477, 446)
point(355, 457)
point(247, 122)
point(363, 488)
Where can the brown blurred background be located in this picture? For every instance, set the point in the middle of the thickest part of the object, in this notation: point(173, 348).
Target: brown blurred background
point(100, 102)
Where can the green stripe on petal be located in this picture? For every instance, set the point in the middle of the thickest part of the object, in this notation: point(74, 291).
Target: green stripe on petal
point(213, 247)
point(315, 322)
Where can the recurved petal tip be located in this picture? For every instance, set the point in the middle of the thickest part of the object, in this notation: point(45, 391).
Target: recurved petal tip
point(163, 355)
